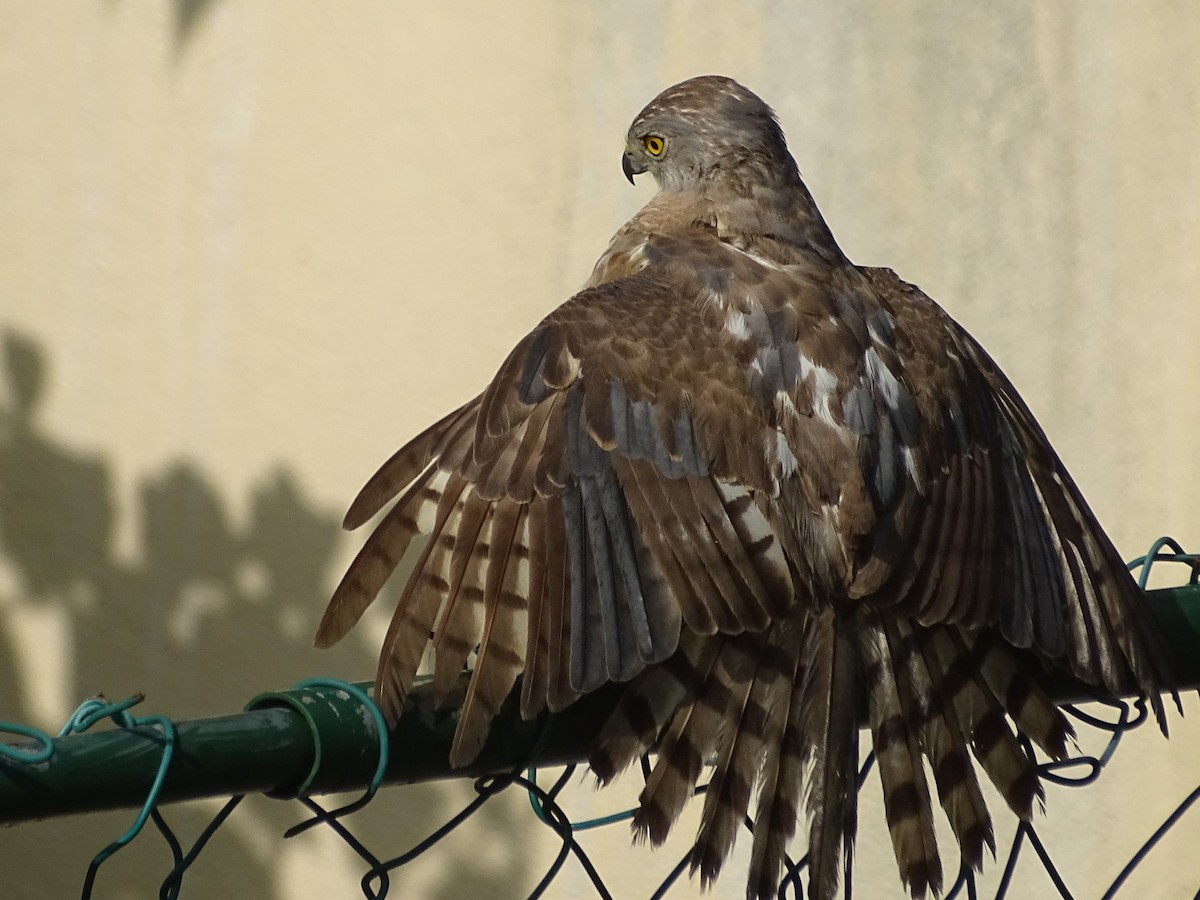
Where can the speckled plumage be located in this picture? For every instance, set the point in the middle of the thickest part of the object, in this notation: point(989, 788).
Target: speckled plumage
point(768, 488)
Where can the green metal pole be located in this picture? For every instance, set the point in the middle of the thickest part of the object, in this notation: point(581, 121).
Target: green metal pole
point(318, 740)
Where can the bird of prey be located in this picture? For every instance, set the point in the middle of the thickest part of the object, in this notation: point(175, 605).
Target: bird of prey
point(770, 491)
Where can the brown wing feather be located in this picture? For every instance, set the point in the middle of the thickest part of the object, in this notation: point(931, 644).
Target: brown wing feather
point(699, 597)
point(502, 643)
point(378, 558)
point(536, 677)
point(417, 609)
point(461, 619)
point(1066, 592)
point(556, 615)
point(404, 466)
point(662, 537)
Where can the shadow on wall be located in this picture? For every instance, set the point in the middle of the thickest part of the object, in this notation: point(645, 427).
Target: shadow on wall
point(188, 15)
point(206, 599)
point(209, 616)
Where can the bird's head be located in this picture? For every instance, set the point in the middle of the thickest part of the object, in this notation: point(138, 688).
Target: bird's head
point(705, 129)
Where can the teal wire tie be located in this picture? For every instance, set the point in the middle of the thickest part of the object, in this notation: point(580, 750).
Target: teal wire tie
point(380, 729)
point(585, 825)
point(1155, 554)
point(26, 757)
point(88, 714)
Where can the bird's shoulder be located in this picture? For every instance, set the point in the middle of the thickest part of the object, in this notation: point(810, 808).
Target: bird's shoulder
point(761, 352)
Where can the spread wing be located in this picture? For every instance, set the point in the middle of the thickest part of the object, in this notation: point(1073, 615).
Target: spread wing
point(617, 478)
point(802, 485)
point(990, 529)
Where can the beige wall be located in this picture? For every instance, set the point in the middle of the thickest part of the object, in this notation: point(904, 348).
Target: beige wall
point(246, 248)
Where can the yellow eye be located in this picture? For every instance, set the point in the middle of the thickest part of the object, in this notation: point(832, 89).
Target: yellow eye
point(654, 144)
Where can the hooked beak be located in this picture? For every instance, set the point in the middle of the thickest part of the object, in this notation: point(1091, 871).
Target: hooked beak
point(628, 166)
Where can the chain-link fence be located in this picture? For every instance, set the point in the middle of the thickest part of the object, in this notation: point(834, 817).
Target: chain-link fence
point(302, 739)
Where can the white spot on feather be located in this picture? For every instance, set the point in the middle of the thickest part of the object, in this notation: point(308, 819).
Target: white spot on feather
point(886, 383)
point(910, 465)
point(761, 260)
point(787, 460)
point(824, 384)
point(874, 330)
point(890, 389)
point(736, 324)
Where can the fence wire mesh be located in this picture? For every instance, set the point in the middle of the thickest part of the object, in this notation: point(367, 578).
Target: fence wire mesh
point(1077, 771)
point(556, 796)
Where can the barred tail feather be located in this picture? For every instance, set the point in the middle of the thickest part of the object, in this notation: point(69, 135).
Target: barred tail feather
point(829, 696)
point(981, 718)
point(1035, 715)
point(945, 744)
point(648, 704)
point(749, 711)
point(905, 793)
point(690, 739)
point(782, 778)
